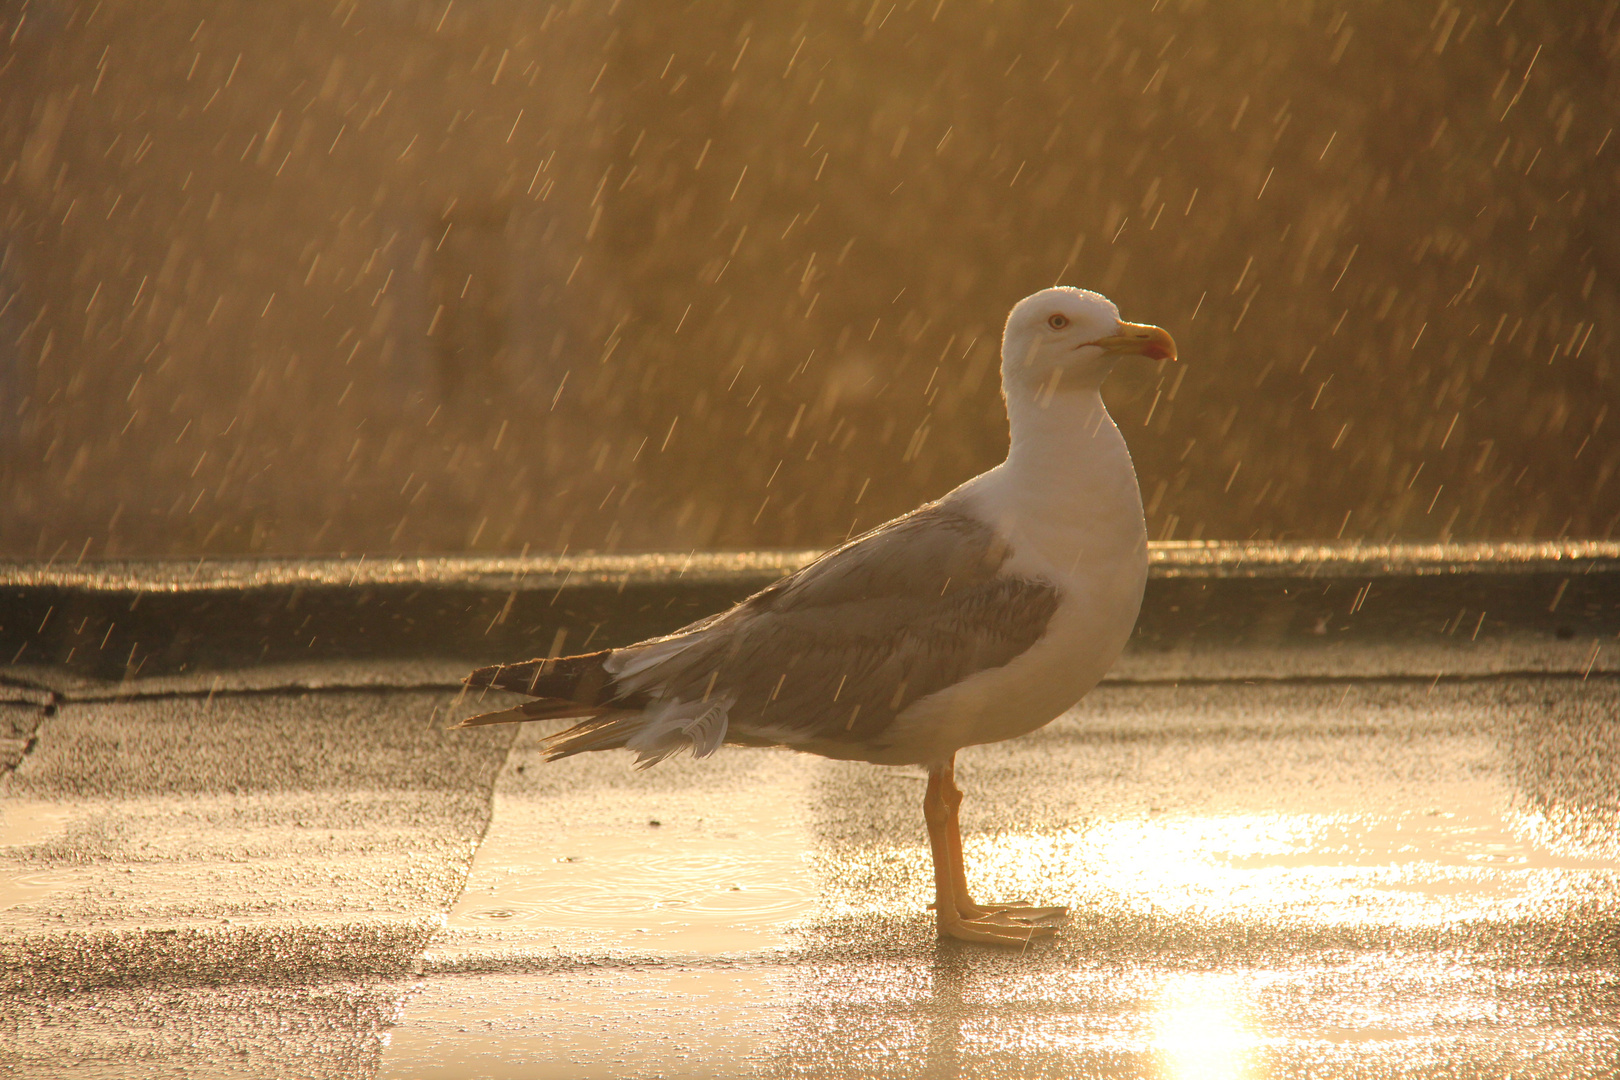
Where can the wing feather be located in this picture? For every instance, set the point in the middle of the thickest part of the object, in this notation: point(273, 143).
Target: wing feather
point(836, 651)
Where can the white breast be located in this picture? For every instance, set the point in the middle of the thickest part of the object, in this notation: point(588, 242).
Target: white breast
point(1072, 515)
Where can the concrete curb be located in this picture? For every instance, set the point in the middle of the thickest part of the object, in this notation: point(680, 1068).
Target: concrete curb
point(135, 620)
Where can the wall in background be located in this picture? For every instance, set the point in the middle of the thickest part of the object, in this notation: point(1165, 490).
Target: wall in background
point(418, 277)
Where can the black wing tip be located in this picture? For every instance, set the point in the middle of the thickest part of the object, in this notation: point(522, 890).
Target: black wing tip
point(488, 678)
point(582, 680)
point(538, 709)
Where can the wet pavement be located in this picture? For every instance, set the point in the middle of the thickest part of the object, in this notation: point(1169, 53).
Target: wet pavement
point(1359, 875)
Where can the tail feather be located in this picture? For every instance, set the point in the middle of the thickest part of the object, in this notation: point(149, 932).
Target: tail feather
point(608, 715)
point(654, 734)
point(581, 680)
point(608, 732)
point(543, 709)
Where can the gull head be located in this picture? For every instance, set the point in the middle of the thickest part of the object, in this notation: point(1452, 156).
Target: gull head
point(1069, 339)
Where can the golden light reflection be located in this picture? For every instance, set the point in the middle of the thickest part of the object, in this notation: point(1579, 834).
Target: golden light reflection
point(1414, 868)
point(1205, 862)
point(1198, 1033)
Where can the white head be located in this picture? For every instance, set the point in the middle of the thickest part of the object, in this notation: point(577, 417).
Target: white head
point(1068, 339)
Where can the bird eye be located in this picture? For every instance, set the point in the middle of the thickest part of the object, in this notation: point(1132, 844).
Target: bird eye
point(1058, 322)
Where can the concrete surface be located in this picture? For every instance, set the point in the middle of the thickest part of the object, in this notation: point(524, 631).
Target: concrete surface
point(1376, 880)
point(1310, 659)
point(265, 838)
point(1341, 877)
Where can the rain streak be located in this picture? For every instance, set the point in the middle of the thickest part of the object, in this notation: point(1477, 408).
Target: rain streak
point(443, 276)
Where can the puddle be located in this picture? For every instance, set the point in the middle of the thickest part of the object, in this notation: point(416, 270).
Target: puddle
point(581, 1025)
point(17, 889)
point(1383, 1020)
point(24, 824)
point(611, 915)
point(572, 862)
point(1480, 857)
point(1449, 841)
point(695, 889)
point(1472, 838)
point(551, 872)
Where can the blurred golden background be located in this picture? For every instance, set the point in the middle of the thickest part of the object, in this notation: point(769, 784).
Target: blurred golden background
point(400, 276)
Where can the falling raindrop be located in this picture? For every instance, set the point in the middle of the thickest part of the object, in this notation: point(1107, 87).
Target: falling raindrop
point(371, 279)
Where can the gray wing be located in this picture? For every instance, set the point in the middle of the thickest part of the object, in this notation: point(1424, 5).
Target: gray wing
point(835, 651)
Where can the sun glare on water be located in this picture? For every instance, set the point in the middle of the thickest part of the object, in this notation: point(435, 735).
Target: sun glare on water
point(1198, 1033)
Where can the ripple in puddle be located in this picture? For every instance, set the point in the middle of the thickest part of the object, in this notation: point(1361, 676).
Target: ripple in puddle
point(22, 825)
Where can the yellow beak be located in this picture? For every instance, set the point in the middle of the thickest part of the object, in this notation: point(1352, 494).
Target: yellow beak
point(1139, 339)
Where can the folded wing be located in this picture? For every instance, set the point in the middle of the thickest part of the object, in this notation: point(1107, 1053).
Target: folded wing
point(828, 655)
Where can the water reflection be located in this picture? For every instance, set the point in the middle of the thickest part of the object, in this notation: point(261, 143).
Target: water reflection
point(1424, 867)
point(25, 824)
point(945, 1012)
point(1199, 1032)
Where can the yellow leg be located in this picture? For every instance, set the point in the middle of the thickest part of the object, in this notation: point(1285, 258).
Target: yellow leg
point(957, 915)
point(1015, 911)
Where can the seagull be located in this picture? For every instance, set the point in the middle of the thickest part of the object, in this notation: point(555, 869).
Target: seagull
point(975, 618)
